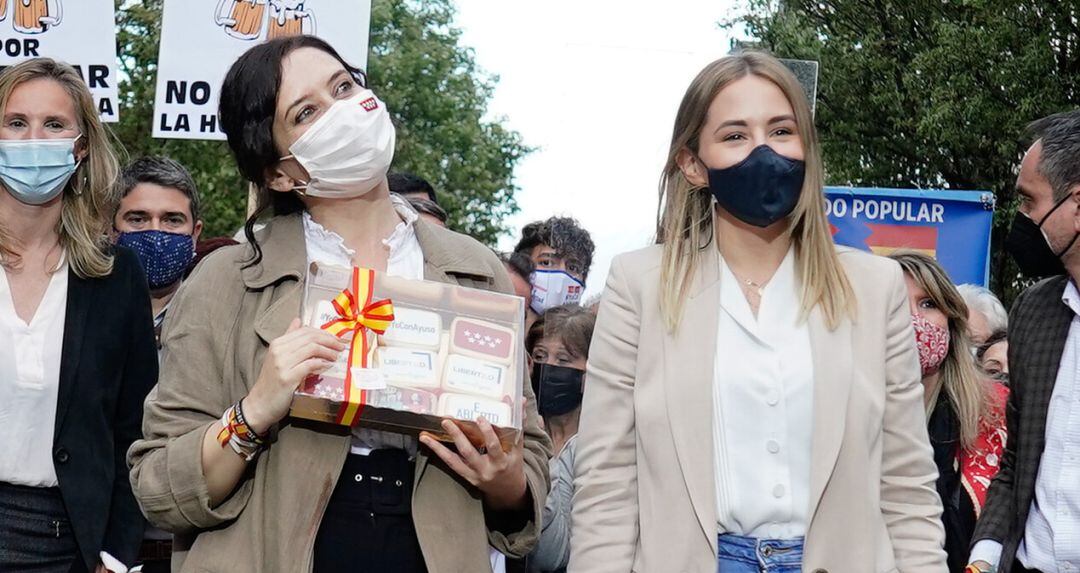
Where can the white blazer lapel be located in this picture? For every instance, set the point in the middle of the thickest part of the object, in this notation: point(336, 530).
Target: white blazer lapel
point(832, 384)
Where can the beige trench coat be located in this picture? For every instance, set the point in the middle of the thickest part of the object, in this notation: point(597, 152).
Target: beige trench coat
point(214, 341)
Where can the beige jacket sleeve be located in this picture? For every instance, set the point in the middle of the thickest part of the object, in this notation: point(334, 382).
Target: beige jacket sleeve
point(909, 501)
point(605, 508)
point(166, 465)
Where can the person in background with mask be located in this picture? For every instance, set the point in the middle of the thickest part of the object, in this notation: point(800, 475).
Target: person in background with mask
point(986, 314)
point(558, 348)
point(562, 254)
point(966, 412)
point(76, 337)
point(158, 218)
point(273, 494)
point(1030, 520)
point(741, 344)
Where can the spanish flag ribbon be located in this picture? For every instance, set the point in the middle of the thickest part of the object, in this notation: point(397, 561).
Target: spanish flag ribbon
point(358, 314)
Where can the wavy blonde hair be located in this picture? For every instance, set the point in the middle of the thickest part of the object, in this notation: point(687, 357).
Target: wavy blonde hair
point(90, 195)
point(968, 392)
point(685, 212)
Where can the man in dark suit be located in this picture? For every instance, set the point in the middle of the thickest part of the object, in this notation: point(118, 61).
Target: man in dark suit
point(1031, 521)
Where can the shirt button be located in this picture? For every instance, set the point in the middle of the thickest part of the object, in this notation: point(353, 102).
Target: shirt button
point(778, 491)
point(772, 398)
point(774, 446)
point(62, 455)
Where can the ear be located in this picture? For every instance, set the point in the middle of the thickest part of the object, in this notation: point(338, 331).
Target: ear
point(198, 231)
point(692, 168)
point(278, 180)
point(1075, 198)
point(82, 149)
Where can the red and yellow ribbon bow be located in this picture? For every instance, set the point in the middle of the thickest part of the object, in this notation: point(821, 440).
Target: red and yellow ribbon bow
point(358, 316)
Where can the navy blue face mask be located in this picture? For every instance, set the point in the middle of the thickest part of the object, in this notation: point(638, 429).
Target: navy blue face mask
point(761, 189)
point(164, 256)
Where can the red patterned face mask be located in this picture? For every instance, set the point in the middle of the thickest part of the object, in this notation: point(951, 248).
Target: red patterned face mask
point(933, 343)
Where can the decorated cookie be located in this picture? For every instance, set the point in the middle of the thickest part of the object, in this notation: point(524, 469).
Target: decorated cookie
point(408, 366)
point(404, 400)
point(482, 339)
point(413, 327)
point(474, 376)
point(464, 407)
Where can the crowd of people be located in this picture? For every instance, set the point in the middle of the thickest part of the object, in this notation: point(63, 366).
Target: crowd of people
point(745, 396)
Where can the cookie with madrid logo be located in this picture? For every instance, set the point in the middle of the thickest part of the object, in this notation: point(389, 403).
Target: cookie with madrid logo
point(482, 339)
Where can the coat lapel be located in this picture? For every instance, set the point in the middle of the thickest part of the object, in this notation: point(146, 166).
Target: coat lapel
point(689, 356)
point(832, 386)
point(1051, 334)
point(79, 299)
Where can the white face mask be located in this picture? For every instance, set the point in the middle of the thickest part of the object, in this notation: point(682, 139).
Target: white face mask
point(348, 150)
point(554, 288)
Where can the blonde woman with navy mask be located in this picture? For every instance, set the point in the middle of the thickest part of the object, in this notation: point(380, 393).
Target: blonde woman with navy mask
point(754, 399)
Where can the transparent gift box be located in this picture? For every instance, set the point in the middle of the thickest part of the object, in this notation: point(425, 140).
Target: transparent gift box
point(420, 352)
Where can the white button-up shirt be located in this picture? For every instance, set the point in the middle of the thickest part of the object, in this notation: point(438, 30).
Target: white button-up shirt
point(1051, 541)
point(763, 409)
point(30, 383)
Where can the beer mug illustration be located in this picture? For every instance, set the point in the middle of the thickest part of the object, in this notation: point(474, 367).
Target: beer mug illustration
point(242, 19)
point(37, 16)
point(290, 18)
point(3, 10)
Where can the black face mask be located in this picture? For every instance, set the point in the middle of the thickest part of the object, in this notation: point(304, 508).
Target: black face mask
point(558, 388)
point(761, 189)
point(1030, 248)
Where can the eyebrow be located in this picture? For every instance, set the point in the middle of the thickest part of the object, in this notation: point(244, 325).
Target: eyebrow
point(742, 123)
point(145, 213)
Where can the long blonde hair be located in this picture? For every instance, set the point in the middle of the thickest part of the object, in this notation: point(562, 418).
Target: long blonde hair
point(90, 194)
point(961, 381)
point(685, 212)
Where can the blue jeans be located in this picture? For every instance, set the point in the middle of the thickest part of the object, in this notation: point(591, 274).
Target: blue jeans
point(739, 554)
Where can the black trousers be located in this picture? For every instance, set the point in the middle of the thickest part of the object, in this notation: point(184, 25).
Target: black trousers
point(35, 533)
point(368, 526)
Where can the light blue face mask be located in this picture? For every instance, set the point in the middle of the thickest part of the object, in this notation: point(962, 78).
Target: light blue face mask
point(35, 171)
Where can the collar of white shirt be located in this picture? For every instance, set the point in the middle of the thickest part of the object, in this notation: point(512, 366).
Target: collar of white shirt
point(1071, 297)
point(326, 245)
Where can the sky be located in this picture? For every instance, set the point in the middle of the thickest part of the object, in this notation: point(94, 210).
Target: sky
point(593, 85)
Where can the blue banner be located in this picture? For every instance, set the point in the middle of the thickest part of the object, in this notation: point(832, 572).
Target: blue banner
point(952, 226)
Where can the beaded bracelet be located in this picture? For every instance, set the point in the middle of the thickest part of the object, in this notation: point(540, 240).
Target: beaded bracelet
point(236, 432)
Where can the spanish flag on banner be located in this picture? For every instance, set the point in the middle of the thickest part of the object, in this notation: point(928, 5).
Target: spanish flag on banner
point(884, 239)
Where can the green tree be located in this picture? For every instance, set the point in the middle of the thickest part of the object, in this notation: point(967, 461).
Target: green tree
point(924, 93)
point(435, 91)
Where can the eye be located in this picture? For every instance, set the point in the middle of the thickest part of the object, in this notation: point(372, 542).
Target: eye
point(782, 132)
point(17, 123)
point(54, 125)
point(563, 359)
point(305, 113)
point(545, 264)
point(734, 137)
point(344, 87)
point(539, 355)
point(927, 304)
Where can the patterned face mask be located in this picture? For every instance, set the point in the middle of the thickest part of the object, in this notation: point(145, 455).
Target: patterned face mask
point(933, 343)
point(164, 256)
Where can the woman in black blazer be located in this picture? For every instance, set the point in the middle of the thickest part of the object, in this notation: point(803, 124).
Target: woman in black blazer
point(77, 354)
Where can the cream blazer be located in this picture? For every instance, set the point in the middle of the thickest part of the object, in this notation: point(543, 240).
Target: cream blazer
point(644, 497)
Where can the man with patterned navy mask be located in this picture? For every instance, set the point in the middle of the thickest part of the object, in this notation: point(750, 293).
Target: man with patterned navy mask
point(158, 218)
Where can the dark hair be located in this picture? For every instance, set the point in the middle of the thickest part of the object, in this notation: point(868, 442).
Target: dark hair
point(519, 263)
point(1060, 135)
point(402, 183)
point(570, 323)
point(563, 234)
point(246, 110)
point(428, 207)
point(996, 337)
point(164, 172)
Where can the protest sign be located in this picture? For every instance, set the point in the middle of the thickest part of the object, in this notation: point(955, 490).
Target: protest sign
point(81, 33)
point(200, 39)
point(951, 226)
